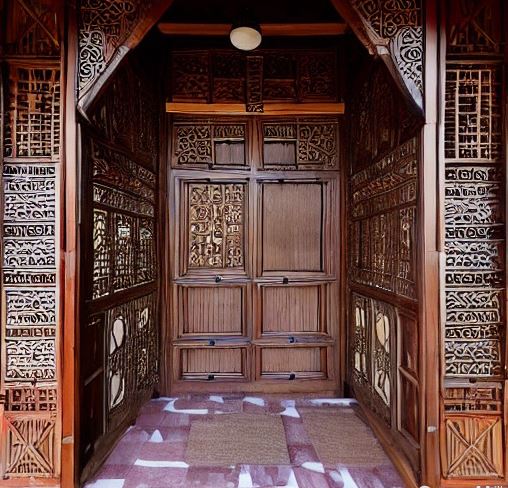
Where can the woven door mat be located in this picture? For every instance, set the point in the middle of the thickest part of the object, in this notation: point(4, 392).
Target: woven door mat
point(340, 437)
point(237, 439)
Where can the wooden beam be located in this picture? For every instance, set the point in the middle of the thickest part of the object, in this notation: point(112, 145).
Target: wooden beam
point(269, 108)
point(270, 30)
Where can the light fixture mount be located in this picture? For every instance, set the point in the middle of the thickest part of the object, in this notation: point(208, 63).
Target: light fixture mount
point(245, 35)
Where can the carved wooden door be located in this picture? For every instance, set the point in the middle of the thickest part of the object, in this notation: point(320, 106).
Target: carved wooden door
point(254, 247)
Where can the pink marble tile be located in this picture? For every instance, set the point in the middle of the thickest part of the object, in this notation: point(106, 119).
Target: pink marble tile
point(175, 420)
point(295, 431)
point(147, 420)
point(124, 453)
point(147, 477)
point(178, 434)
point(302, 454)
point(163, 451)
point(310, 479)
point(270, 475)
point(212, 477)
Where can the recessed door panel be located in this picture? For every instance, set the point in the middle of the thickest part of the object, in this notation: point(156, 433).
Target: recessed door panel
point(211, 363)
point(292, 362)
point(206, 310)
point(292, 227)
point(214, 230)
point(292, 309)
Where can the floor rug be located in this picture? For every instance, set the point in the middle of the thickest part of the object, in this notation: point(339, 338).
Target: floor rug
point(237, 439)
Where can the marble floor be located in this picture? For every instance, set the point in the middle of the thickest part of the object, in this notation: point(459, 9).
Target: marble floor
point(151, 454)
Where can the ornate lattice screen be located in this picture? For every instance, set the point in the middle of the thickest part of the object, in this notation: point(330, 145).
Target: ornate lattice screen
point(31, 183)
point(474, 242)
point(120, 158)
point(383, 219)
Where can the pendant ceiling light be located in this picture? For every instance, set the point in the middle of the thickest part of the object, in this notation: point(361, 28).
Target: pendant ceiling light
point(245, 36)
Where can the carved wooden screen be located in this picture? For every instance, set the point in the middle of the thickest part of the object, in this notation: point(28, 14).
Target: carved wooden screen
point(31, 148)
point(275, 75)
point(473, 278)
point(383, 218)
point(119, 335)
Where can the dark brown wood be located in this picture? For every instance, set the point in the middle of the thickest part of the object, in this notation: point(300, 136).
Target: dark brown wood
point(272, 29)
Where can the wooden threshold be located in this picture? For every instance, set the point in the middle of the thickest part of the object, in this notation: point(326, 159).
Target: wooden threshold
point(270, 30)
point(268, 109)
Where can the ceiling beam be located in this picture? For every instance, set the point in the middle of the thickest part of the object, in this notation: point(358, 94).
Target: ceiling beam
point(269, 108)
point(275, 30)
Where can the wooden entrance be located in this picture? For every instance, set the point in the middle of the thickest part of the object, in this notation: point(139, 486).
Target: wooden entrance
point(254, 249)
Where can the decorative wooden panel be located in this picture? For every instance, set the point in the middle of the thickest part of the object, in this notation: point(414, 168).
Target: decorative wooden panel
point(215, 216)
point(293, 362)
point(119, 263)
point(31, 418)
point(212, 310)
point(383, 222)
point(32, 29)
point(209, 143)
point(303, 144)
point(292, 227)
point(293, 309)
point(473, 277)
point(33, 127)
point(373, 357)
point(398, 26)
point(123, 230)
point(104, 29)
point(474, 447)
point(270, 75)
point(212, 363)
point(132, 356)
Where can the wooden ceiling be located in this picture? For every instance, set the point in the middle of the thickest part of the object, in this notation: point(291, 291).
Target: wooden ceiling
point(262, 11)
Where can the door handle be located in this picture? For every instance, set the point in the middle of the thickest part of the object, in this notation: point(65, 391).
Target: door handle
point(218, 279)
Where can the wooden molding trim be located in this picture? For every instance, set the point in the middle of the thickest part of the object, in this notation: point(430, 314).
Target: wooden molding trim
point(269, 108)
point(274, 30)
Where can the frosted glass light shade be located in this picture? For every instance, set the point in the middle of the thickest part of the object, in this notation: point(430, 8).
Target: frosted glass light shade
point(245, 38)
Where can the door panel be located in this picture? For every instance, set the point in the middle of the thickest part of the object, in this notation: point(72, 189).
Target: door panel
point(206, 310)
point(292, 362)
point(214, 227)
point(202, 362)
point(292, 227)
point(292, 309)
point(254, 287)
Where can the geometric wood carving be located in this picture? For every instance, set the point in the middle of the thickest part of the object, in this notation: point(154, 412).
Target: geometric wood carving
point(216, 225)
point(383, 222)
point(209, 143)
point(271, 75)
point(31, 240)
point(474, 447)
point(303, 144)
point(474, 279)
point(30, 447)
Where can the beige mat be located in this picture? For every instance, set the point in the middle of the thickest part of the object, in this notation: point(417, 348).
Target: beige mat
point(237, 439)
point(340, 437)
